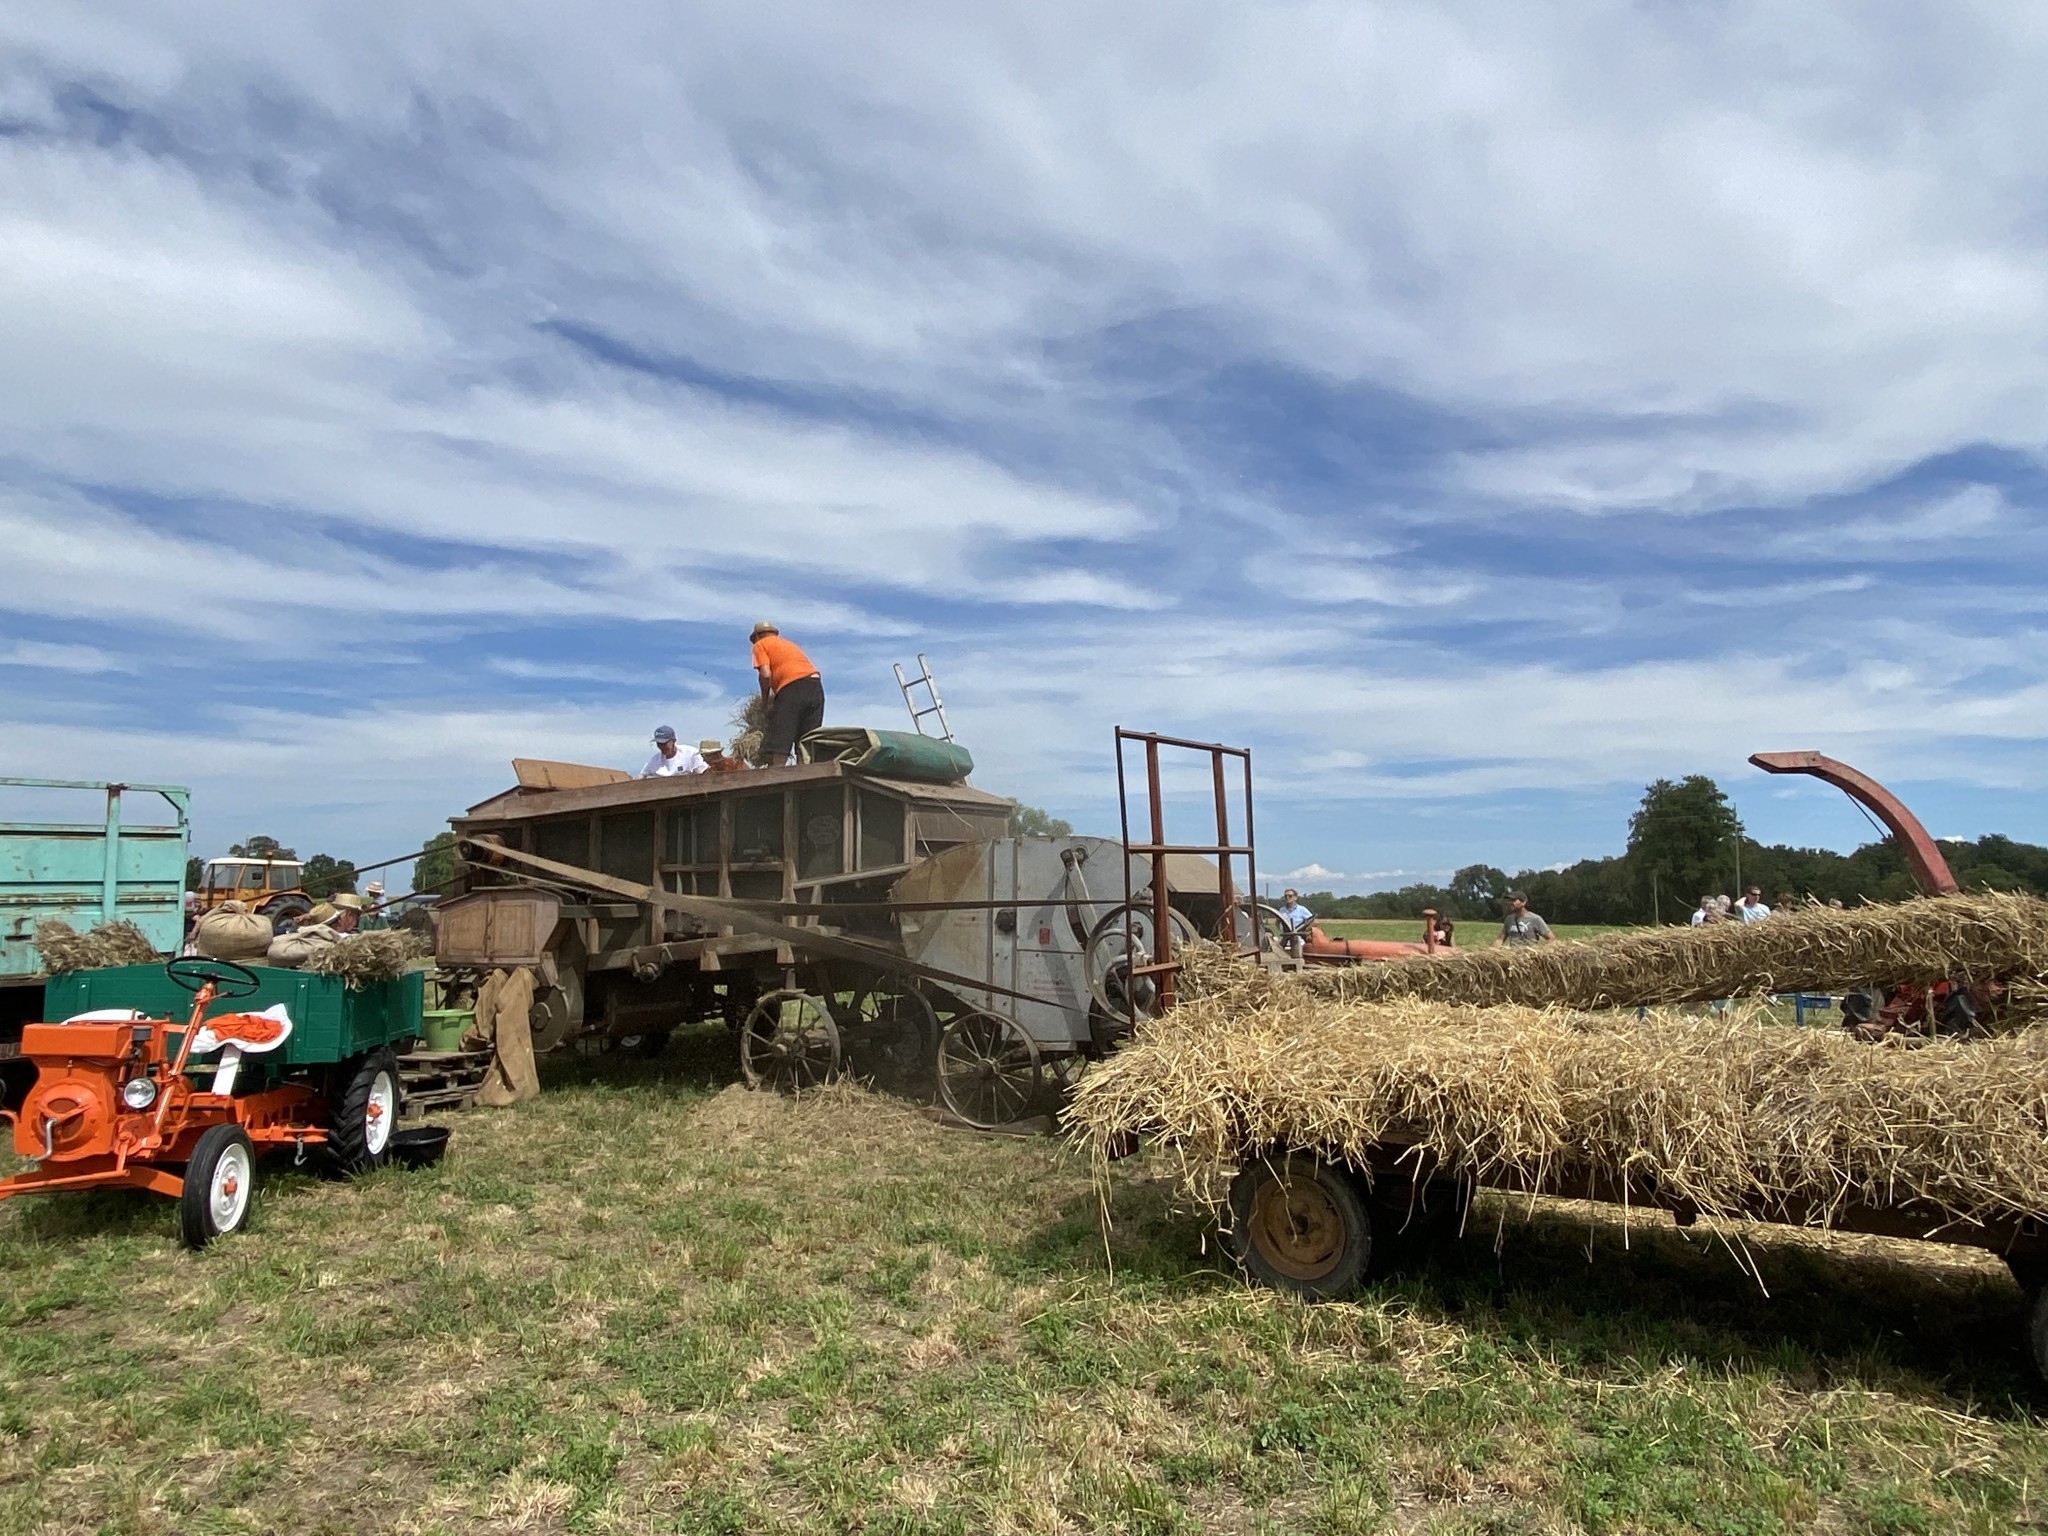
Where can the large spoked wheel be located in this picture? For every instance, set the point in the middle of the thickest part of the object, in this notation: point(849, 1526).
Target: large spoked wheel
point(988, 1069)
point(219, 1181)
point(1301, 1225)
point(1120, 946)
point(2037, 1329)
point(893, 1034)
point(366, 1114)
point(789, 1043)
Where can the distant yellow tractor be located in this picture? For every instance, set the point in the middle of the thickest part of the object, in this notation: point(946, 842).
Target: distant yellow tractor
point(271, 887)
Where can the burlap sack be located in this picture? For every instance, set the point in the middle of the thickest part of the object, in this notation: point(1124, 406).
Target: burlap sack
point(503, 1004)
point(292, 950)
point(232, 932)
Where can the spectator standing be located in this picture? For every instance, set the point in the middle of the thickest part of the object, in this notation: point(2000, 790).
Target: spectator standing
point(794, 689)
point(1753, 909)
point(1709, 912)
point(1522, 926)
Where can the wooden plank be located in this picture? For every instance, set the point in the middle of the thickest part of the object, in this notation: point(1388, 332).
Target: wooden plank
point(539, 773)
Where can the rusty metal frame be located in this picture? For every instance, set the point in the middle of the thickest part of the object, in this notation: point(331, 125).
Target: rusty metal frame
point(1922, 854)
point(1157, 848)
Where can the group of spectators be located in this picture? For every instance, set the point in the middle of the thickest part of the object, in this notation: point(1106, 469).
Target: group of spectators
point(1751, 909)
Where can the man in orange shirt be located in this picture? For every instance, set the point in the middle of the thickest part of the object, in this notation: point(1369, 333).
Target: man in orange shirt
point(793, 689)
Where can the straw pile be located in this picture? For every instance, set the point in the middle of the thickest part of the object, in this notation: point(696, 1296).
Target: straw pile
point(1987, 937)
point(361, 958)
point(120, 942)
point(1732, 1114)
point(750, 721)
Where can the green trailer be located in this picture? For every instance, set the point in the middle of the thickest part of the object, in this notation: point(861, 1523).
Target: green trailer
point(331, 1021)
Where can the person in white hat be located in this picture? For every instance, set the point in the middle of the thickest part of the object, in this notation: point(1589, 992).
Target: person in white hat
point(669, 759)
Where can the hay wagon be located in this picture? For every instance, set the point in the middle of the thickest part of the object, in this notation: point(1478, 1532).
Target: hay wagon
point(872, 915)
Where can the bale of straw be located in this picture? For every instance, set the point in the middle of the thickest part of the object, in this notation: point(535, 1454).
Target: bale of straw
point(1988, 937)
point(1735, 1115)
point(120, 942)
point(361, 958)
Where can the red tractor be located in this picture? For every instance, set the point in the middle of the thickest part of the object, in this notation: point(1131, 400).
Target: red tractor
point(123, 1099)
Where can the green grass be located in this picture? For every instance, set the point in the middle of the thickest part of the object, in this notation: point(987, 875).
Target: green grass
point(1469, 935)
point(652, 1302)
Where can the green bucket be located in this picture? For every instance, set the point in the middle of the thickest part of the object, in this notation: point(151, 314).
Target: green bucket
point(441, 1028)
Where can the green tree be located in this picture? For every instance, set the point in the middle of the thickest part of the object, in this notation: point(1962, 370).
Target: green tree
point(324, 875)
point(195, 871)
point(1683, 840)
point(1030, 821)
point(1477, 891)
point(435, 868)
point(261, 848)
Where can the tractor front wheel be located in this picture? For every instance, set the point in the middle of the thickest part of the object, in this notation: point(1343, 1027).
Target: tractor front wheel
point(366, 1113)
point(219, 1180)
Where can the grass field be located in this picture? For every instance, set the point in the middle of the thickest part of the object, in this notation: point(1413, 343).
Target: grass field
point(651, 1301)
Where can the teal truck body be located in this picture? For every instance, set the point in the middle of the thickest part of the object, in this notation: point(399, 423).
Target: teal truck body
point(89, 873)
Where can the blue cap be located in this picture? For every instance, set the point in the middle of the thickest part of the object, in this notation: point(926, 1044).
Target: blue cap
point(664, 733)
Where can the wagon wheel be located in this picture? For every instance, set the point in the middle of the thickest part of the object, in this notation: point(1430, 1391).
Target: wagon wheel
point(1261, 927)
point(789, 1042)
point(988, 1069)
point(894, 1029)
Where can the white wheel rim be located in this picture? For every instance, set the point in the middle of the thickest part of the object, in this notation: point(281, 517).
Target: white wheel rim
point(379, 1114)
point(228, 1196)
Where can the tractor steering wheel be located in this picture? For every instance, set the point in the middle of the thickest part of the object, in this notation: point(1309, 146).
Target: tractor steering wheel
point(193, 972)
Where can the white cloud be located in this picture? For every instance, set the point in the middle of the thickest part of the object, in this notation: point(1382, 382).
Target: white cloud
point(57, 657)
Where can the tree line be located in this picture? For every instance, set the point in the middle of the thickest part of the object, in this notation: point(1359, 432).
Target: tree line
point(1685, 840)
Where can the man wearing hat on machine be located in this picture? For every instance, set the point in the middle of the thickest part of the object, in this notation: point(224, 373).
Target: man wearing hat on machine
point(794, 691)
point(669, 759)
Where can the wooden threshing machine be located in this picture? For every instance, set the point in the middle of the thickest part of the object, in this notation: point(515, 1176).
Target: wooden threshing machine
point(865, 910)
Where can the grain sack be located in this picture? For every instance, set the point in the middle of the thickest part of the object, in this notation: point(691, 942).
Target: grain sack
point(290, 951)
point(232, 932)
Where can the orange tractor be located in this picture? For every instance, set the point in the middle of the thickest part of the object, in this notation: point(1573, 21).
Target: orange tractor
point(125, 1099)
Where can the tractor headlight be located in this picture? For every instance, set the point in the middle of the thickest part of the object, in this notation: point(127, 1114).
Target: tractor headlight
point(138, 1093)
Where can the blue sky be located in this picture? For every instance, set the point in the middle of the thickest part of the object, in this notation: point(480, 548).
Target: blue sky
point(1476, 413)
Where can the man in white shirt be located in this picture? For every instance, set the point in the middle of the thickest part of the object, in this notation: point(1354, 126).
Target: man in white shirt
point(1292, 912)
point(670, 760)
point(1753, 909)
point(1708, 913)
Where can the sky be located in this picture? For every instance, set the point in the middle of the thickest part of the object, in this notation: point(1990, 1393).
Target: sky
point(1475, 411)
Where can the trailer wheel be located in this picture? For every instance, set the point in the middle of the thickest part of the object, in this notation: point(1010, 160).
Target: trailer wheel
point(988, 1069)
point(366, 1113)
point(219, 1180)
point(1302, 1225)
point(789, 1043)
point(2037, 1330)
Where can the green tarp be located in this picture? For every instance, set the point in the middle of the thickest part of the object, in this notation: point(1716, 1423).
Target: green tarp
point(889, 754)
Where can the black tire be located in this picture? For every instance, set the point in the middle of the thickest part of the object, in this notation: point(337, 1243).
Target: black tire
point(220, 1183)
point(366, 1113)
point(651, 1045)
point(1302, 1225)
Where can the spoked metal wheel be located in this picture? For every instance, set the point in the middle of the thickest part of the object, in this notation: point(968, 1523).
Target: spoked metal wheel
point(989, 1071)
point(789, 1043)
point(893, 1033)
point(1120, 946)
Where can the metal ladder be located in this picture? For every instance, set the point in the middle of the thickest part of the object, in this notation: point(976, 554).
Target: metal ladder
point(918, 714)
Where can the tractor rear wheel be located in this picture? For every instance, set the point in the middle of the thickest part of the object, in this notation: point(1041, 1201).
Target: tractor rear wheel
point(366, 1113)
point(219, 1181)
point(1302, 1225)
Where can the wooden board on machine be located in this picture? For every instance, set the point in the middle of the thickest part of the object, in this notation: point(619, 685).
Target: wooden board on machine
point(539, 773)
